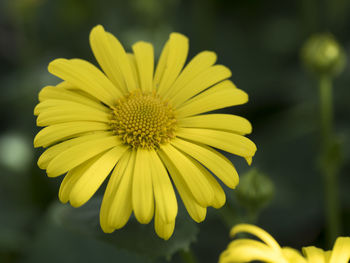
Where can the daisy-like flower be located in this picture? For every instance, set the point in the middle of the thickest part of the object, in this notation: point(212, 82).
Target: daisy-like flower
point(248, 250)
point(146, 127)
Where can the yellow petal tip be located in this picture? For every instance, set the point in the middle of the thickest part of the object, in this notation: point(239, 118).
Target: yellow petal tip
point(249, 160)
point(36, 143)
point(178, 35)
point(76, 203)
point(97, 27)
point(40, 164)
point(143, 219)
point(96, 30)
point(53, 64)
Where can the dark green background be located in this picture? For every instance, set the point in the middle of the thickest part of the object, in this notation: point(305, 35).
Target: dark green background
point(258, 40)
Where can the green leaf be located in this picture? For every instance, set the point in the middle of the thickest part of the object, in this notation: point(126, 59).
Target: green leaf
point(134, 237)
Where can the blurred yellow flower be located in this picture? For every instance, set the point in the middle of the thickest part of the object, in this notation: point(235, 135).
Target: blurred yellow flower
point(146, 127)
point(248, 250)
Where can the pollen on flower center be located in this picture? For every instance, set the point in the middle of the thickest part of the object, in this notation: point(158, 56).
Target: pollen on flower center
point(143, 120)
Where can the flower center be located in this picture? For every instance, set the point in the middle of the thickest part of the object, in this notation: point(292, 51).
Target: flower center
point(143, 120)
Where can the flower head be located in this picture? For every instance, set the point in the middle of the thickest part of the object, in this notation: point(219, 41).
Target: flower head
point(255, 190)
point(145, 127)
point(268, 250)
point(323, 55)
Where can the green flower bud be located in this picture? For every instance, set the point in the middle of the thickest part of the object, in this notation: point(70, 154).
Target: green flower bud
point(255, 190)
point(323, 55)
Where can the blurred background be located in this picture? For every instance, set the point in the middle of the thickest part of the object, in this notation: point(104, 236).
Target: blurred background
point(260, 41)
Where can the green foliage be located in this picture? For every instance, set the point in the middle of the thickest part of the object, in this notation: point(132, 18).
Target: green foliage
point(134, 237)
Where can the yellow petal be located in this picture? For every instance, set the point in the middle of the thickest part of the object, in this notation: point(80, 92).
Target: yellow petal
point(163, 229)
point(202, 81)
point(133, 66)
point(225, 122)
point(246, 250)
point(122, 209)
point(98, 77)
point(70, 111)
point(314, 254)
point(198, 64)
point(164, 194)
point(219, 198)
point(176, 55)
point(120, 204)
point(94, 176)
point(56, 93)
point(192, 176)
point(229, 142)
point(78, 154)
point(341, 251)
point(86, 77)
point(241, 242)
point(64, 85)
point(144, 56)
point(258, 232)
point(55, 103)
point(106, 55)
point(142, 189)
point(327, 255)
point(68, 86)
point(213, 160)
point(58, 132)
point(124, 62)
point(72, 177)
point(219, 96)
point(196, 211)
point(248, 160)
point(53, 151)
point(292, 255)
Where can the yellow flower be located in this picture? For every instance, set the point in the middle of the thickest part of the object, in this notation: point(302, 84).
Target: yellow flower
point(146, 127)
point(248, 250)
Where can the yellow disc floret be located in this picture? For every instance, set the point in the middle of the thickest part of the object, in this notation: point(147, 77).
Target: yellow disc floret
point(143, 120)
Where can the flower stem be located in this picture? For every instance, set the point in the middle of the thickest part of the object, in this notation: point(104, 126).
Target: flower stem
point(329, 168)
point(326, 109)
point(187, 256)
